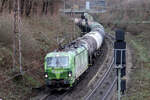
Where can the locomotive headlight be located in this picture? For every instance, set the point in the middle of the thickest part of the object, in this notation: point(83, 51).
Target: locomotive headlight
point(46, 76)
point(70, 74)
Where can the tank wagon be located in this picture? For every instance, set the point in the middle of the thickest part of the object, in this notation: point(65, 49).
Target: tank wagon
point(63, 68)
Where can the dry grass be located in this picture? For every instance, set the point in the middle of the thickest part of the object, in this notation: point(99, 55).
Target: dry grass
point(40, 35)
point(138, 88)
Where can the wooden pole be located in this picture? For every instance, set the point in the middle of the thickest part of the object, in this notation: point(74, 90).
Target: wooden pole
point(14, 35)
point(19, 37)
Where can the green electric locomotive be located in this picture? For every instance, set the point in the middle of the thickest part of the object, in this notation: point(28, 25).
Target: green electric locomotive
point(64, 67)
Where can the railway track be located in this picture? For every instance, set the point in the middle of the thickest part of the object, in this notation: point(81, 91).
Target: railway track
point(54, 96)
point(105, 84)
point(110, 89)
point(49, 94)
point(80, 91)
point(100, 83)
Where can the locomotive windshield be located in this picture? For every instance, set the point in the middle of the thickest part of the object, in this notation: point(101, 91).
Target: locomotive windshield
point(57, 61)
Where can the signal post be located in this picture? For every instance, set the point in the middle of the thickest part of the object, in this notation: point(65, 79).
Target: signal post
point(120, 61)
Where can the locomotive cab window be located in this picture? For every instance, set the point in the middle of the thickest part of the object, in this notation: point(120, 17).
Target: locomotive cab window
point(57, 62)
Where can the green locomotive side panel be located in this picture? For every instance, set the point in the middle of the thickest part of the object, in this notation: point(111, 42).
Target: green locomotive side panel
point(81, 62)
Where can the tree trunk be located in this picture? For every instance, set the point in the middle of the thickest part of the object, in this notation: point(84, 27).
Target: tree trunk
point(22, 6)
point(28, 7)
point(3, 4)
point(35, 7)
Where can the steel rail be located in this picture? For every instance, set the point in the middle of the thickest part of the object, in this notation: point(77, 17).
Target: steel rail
point(87, 97)
point(46, 96)
point(110, 89)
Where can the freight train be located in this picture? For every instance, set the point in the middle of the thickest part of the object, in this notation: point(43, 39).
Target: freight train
point(63, 68)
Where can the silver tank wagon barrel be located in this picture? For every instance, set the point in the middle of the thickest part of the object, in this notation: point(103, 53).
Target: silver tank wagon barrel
point(93, 39)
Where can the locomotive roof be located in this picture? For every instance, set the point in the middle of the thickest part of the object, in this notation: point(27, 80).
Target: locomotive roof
point(70, 49)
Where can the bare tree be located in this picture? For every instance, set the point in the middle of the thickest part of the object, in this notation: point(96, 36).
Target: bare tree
point(14, 35)
point(45, 6)
point(35, 7)
point(3, 4)
point(10, 5)
point(52, 7)
point(22, 3)
point(28, 7)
